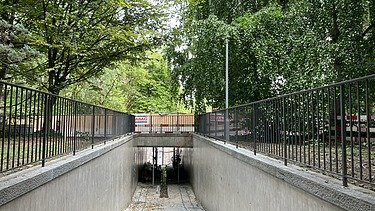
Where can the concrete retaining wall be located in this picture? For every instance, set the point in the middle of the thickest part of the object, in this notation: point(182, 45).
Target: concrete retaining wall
point(223, 178)
point(226, 178)
point(103, 178)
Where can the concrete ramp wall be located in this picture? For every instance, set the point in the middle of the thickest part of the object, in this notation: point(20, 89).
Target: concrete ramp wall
point(226, 178)
point(103, 178)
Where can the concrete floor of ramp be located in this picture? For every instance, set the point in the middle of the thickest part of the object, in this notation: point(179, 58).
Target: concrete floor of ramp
point(180, 197)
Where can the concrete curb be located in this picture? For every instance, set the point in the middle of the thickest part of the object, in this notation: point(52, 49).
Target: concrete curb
point(324, 187)
point(20, 183)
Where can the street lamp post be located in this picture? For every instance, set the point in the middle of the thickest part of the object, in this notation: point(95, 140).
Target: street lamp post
point(226, 125)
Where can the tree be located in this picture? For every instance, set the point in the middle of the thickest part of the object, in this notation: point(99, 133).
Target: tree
point(135, 88)
point(200, 65)
point(78, 38)
point(275, 47)
point(15, 53)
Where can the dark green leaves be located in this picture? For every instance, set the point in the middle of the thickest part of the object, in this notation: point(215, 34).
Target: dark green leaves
point(275, 47)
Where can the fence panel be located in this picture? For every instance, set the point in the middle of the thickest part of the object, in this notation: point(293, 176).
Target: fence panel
point(164, 123)
point(330, 128)
point(36, 126)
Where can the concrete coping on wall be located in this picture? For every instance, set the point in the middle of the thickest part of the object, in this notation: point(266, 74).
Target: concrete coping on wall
point(17, 184)
point(163, 140)
point(327, 188)
point(170, 135)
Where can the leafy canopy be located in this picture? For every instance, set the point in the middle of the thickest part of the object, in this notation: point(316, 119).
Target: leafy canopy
point(275, 47)
point(78, 38)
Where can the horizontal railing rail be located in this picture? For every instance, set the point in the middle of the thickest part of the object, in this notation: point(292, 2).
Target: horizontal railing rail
point(36, 126)
point(330, 128)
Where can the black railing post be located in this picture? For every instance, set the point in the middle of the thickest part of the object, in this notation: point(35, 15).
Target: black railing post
point(368, 125)
point(3, 122)
point(126, 123)
point(215, 124)
point(150, 123)
point(201, 122)
point(178, 123)
point(254, 128)
point(226, 126)
point(105, 125)
point(15, 129)
point(284, 133)
point(343, 136)
point(201, 119)
point(133, 124)
point(204, 124)
point(209, 124)
point(93, 127)
point(236, 124)
point(198, 123)
point(45, 129)
point(75, 129)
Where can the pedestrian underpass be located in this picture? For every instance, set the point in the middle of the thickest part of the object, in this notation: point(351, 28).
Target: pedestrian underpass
point(61, 154)
point(222, 177)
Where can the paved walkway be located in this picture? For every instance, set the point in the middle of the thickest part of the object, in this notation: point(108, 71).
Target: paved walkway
point(180, 197)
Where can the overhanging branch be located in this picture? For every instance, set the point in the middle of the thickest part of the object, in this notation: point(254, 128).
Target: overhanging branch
point(368, 29)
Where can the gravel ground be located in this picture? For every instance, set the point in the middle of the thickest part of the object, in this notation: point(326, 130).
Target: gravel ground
point(180, 197)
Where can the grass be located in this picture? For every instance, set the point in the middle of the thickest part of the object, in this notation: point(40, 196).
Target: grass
point(22, 151)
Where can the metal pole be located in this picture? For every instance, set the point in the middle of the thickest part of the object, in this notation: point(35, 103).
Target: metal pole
point(209, 124)
point(150, 123)
point(284, 133)
point(75, 129)
point(93, 127)
point(254, 127)
point(178, 123)
point(174, 156)
point(343, 137)
point(178, 173)
point(215, 124)
point(236, 125)
point(45, 129)
point(178, 166)
point(105, 125)
point(153, 165)
point(226, 92)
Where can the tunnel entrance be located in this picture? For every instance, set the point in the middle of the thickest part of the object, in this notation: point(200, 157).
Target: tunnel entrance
point(158, 157)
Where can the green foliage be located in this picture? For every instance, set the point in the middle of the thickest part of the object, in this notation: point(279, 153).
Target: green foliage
point(15, 54)
point(133, 88)
point(79, 38)
point(275, 47)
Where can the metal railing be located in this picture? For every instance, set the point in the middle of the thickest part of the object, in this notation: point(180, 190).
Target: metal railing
point(36, 126)
point(330, 128)
point(164, 123)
